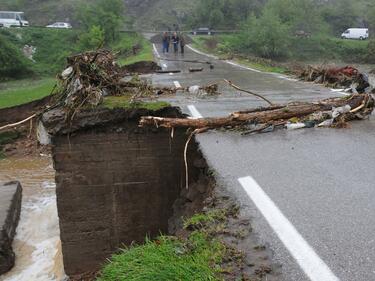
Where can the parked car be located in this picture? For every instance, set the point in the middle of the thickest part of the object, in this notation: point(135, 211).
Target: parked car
point(202, 31)
point(13, 19)
point(64, 25)
point(355, 33)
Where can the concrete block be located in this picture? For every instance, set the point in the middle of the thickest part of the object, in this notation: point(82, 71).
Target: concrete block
point(10, 209)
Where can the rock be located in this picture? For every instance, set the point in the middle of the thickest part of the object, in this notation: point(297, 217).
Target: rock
point(10, 209)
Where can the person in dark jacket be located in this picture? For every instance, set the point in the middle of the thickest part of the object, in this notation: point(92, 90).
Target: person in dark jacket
point(165, 42)
point(175, 42)
point(182, 43)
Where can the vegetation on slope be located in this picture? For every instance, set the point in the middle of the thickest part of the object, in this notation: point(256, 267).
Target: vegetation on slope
point(201, 254)
point(25, 91)
point(281, 29)
point(52, 46)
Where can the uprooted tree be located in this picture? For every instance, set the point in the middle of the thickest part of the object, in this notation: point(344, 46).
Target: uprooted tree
point(335, 110)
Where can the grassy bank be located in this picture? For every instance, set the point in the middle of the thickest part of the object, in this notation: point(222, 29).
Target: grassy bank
point(220, 46)
point(198, 256)
point(301, 50)
point(144, 52)
point(24, 91)
point(125, 102)
point(52, 46)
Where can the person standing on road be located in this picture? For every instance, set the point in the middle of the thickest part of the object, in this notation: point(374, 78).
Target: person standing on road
point(165, 42)
point(182, 43)
point(175, 42)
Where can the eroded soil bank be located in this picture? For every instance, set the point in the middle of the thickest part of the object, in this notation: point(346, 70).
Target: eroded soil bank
point(118, 183)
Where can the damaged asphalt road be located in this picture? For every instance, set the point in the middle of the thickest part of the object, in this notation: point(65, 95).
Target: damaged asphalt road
point(320, 180)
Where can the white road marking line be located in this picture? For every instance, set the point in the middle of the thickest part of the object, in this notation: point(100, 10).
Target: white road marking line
point(177, 84)
point(194, 112)
point(286, 78)
point(201, 53)
point(156, 51)
point(301, 251)
point(243, 67)
point(251, 69)
point(340, 91)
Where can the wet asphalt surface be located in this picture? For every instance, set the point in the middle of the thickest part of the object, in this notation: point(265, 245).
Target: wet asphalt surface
point(322, 180)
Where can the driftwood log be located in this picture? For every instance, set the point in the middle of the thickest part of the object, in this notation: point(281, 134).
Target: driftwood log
point(360, 103)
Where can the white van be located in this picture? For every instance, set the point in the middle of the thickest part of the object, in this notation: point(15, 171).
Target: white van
point(355, 33)
point(13, 19)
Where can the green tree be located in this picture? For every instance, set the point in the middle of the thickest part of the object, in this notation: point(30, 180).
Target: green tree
point(216, 18)
point(370, 17)
point(224, 14)
point(93, 39)
point(265, 36)
point(298, 14)
point(340, 15)
point(106, 14)
point(13, 64)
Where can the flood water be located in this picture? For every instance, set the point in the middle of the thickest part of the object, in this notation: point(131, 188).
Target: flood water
point(37, 243)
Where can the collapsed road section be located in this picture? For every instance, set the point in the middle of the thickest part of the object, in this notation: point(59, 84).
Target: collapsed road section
point(116, 183)
point(123, 167)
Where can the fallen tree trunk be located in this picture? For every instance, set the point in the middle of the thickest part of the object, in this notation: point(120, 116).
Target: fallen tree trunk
point(359, 103)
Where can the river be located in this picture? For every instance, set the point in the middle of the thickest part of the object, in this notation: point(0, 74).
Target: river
point(37, 243)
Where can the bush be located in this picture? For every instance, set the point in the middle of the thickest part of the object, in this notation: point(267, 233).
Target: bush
point(371, 52)
point(93, 39)
point(265, 36)
point(52, 47)
point(13, 64)
point(124, 46)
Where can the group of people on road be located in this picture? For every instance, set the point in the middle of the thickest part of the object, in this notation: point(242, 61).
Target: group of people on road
point(177, 41)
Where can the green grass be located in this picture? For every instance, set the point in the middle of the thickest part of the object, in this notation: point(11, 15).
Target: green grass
point(200, 221)
point(168, 259)
point(124, 102)
point(199, 255)
point(24, 91)
point(260, 66)
point(145, 53)
point(52, 46)
point(223, 51)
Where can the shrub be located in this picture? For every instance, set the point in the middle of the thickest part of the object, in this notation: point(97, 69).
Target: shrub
point(93, 39)
point(370, 58)
point(13, 64)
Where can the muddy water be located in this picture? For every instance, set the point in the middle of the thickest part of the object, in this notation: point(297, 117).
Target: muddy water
point(37, 243)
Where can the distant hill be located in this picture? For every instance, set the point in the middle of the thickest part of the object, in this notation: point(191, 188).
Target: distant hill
point(149, 14)
point(43, 12)
point(156, 14)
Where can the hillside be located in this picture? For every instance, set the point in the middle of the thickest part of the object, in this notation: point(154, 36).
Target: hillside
point(149, 14)
point(156, 14)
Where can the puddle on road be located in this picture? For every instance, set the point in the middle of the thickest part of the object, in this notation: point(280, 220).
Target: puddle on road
point(37, 243)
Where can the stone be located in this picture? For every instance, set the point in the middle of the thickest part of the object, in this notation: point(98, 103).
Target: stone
point(10, 209)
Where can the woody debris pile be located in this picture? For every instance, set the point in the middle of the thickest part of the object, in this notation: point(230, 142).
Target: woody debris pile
point(334, 112)
point(348, 78)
